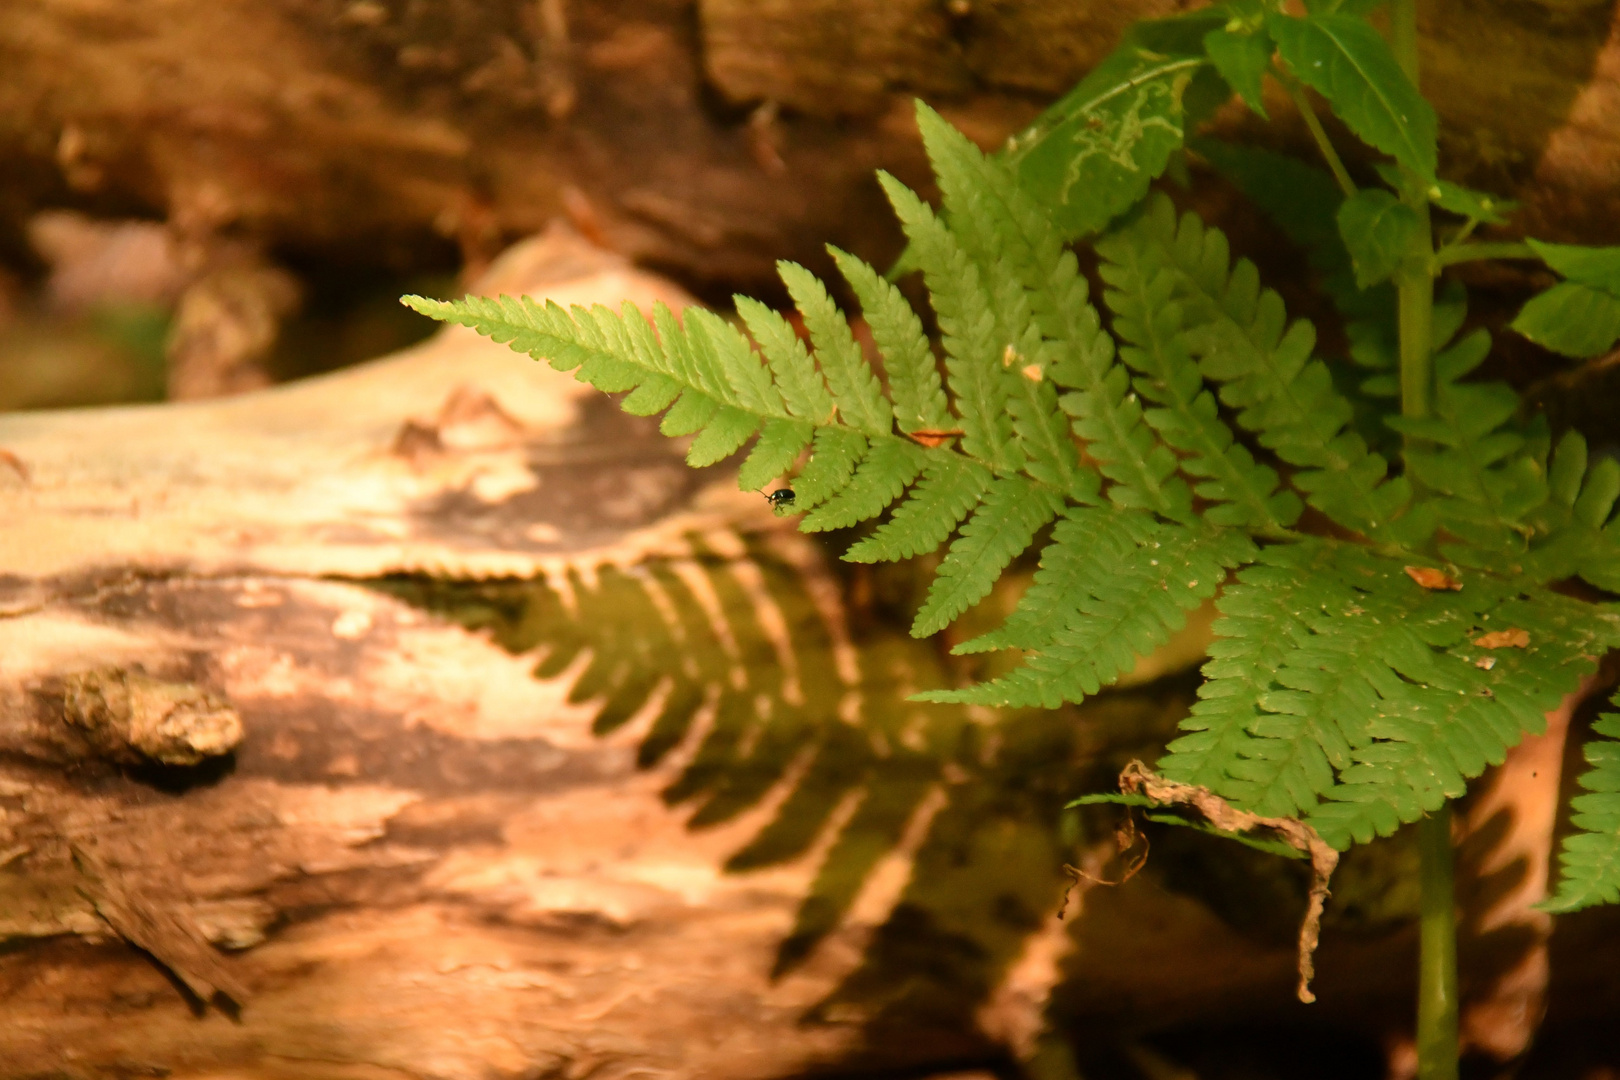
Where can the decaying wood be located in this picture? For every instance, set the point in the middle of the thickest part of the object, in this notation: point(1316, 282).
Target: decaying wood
point(713, 137)
point(419, 860)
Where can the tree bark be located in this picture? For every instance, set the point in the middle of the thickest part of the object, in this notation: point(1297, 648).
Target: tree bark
point(425, 856)
point(709, 138)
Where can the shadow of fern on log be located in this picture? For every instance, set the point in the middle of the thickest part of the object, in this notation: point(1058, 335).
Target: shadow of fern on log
point(752, 687)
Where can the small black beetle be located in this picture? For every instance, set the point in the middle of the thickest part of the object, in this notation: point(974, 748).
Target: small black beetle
point(780, 497)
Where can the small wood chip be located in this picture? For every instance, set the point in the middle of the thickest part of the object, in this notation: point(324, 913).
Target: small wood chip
point(1511, 638)
point(1430, 578)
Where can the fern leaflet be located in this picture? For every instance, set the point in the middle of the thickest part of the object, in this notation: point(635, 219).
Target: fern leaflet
point(1590, 859)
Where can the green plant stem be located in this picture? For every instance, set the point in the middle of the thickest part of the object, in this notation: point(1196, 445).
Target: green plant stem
point(1414, 284)
point(1330, 155)
point(1455, 253)
point(1437, 964)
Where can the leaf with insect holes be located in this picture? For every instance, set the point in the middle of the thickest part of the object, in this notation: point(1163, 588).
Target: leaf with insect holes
point(1091, 156)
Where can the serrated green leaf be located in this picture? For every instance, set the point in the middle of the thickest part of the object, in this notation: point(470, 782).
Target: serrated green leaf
point(1242, 59)
point(1590, 859)
point(725, 348)
point(1573, 319)
point(803, 390)
point(722, 436)
point(950, 489)
point(833, 457)
point(1112, 586)
point(1349, 63)
point(1150, 323)
point(691, 411)
point(1598, 267)
point(779, 446)
point(888, 468)
point(967, 323)
point(919, 399)
point(653, 396)
point(1378, 231)
point(854, 386)
point(1006, 520)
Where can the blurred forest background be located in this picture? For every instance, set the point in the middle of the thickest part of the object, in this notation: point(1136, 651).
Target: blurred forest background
point(197, 197)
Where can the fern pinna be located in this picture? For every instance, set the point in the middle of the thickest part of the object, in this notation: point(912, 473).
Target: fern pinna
point(1364, 668)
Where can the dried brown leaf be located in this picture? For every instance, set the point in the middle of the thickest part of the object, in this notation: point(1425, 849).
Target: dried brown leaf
point(1430, 578)
point(1137, 779)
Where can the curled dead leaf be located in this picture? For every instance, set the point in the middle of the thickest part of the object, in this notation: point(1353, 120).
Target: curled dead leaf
point(1511, 638)
point(1430, 578)
point(1137, 779)
point(933, 437)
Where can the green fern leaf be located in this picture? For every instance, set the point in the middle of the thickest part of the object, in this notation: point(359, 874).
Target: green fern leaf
point(886, 471)
point(950, 489)
point(1574, 534)
point(1149, 320)
point(725, 349)
point(690, 413)
point(1471, 459)
point(1039, 297)
point(1113, 585)
point(967, 324)
point(779, 446)
point(1261, 620)
point(919, 400)
point(1450, 715)
point(803, 390)
point(834, 455)
point(1348, 62)
point(854, 386)
point(1590, 859)
point(1241, 338)
point(1006, 520)
point(722, 436)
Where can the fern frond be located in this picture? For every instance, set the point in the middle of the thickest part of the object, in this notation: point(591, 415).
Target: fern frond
point(1011, 233)
point(804, 392)
point(919, 400)
point(1150, 321)
point(1113, 585)
point(967, 324)
point(779, 446)
point(1240, 335)
point(950, 488)
point(1445, 704)
point(1007, 518)
point(1262, 617)
point(888, 469)
point(834, 455)
point(1590, 860)
point(854, 386)
point(1353, 696)
point(1574, 533)
point(1469, 456)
